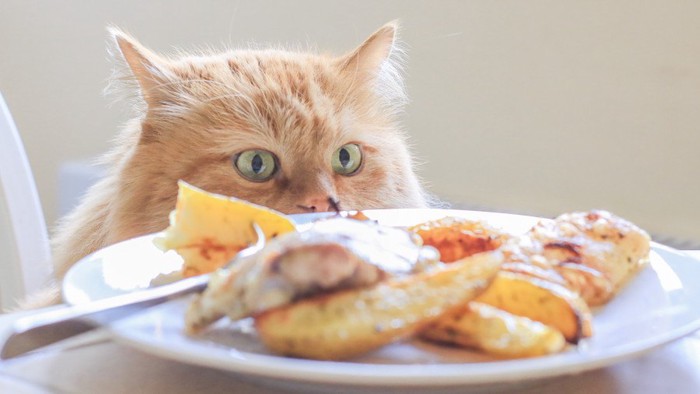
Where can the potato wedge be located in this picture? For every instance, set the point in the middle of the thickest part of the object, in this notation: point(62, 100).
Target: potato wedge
point(344, 324)
point(496, 332)
point(208, 229)
point(542, 301)
point(457, 238)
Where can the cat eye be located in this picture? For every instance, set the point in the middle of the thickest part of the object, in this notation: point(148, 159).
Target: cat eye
point(255, 165)
point(346, 160)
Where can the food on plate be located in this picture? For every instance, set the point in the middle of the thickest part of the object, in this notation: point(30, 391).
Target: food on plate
point(457, 238)
point(542, 301)
point(592, 253)
point(534, 270)
point(349, 323)
point(596, 252)
point(340, 288)
point(208, 229)
point(333, 254)
point(495, 331)
point(345, 285)
point(551, 274)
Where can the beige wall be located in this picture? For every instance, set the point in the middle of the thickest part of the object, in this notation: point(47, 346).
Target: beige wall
point(526, 106)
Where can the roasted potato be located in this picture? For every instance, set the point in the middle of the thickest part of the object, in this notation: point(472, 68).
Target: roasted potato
point(540, 300)
point(208, 229)
point(457, 238)
point(347, 323)
point(495, 332)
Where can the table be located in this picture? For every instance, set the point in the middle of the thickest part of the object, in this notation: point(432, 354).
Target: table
point(93, 363)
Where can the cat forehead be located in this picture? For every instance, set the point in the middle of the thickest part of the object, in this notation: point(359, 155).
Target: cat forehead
point(276, 99)
point(303, 133)
point(269, 92)
point(273, 77)
point(258, 67)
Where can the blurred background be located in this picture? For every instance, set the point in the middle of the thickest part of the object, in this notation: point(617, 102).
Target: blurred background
point(535, 107)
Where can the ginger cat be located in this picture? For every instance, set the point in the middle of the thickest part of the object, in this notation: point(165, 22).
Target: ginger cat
point(283, 129)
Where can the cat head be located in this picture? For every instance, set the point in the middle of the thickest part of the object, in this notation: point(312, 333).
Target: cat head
point(293, 131)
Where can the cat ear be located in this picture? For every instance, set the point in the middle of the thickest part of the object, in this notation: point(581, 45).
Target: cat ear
point(148, 68)
point(378, 61)
point(369, 57)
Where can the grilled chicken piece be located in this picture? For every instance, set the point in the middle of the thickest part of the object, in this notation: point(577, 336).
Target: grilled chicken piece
point(332, 254)
point(594, 252)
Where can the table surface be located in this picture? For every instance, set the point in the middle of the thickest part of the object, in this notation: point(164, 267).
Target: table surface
point(94, 363)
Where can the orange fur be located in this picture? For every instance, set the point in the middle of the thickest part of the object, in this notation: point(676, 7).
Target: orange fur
point(201, 110)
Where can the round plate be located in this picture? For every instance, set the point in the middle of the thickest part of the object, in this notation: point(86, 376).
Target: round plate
point(660, 304)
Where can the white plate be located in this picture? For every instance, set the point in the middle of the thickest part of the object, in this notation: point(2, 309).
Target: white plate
point(661, 304)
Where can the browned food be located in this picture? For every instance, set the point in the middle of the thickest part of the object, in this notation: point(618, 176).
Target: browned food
point(347, 286)
point(551, 275)
point(344, 324)
point(357, 215)
point(496, 332)
point(595, 252)
point(333, 254)
point(457, 238)
point(208, 229)
point(534, 270)
point(542, 301)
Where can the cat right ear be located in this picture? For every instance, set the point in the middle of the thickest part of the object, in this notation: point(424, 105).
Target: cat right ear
point(149, 69)
point(378, 61)
point(371, 54)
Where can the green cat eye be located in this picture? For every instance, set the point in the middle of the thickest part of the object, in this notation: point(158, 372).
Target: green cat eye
point(255, 165)
point(346, 160)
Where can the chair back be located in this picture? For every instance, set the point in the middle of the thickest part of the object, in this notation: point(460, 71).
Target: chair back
point(25, 253)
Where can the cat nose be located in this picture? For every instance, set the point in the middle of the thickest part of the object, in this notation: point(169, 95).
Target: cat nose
point(319, 204)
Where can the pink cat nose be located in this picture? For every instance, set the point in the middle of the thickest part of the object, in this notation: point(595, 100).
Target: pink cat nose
point(320, 204)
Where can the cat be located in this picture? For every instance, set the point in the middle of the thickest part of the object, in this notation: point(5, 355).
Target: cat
point(297, 132)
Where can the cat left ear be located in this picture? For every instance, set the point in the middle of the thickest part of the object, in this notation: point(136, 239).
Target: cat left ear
point(368, 57)
point(148, 68)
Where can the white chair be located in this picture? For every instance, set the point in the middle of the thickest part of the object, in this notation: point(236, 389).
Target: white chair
point(25, 254)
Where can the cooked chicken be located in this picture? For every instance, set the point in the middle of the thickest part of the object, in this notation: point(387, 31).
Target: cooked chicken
point(332, 254)
point(591, 253)
point(596, 251)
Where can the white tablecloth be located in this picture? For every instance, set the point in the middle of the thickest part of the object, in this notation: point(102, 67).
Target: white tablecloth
point(92, 363)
